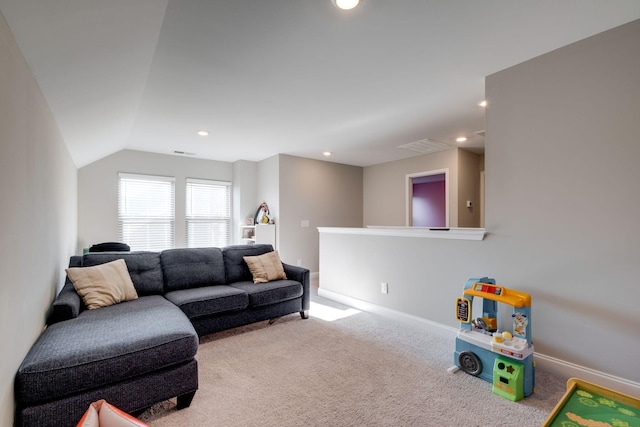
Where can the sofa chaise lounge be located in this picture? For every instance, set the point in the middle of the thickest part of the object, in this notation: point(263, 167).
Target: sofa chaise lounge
point(140, 352)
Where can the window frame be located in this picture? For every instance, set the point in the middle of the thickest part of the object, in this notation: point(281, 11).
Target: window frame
point(127, 219)
point(200, 240)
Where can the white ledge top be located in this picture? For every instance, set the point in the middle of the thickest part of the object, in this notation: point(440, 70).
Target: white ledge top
point(432, 233)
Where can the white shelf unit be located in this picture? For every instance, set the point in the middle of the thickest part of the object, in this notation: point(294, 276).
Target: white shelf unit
point(259, 233)
point(266, 233)
point(248, 234)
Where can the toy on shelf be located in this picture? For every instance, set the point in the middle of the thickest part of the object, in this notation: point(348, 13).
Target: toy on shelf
point(585, 403)
point(489, 351)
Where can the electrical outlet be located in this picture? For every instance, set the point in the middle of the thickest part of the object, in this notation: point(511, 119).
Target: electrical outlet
point(384, 287)
point(299, 262)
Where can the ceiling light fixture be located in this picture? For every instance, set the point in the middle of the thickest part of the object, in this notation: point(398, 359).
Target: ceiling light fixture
point(461, 139)
point(203, 133)
point(345, 4)
point(483, 103)
point(326, 153)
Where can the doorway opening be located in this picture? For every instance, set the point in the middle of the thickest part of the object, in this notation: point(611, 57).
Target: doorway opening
point(428, 199)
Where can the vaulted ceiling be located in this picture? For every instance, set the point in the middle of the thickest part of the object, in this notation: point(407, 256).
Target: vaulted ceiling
point(298, 77)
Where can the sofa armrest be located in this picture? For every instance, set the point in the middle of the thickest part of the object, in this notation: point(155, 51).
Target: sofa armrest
point(67, 305)
point(300, 274)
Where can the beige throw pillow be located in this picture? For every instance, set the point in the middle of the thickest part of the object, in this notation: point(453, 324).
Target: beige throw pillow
point(265, 268)
point(103, 285)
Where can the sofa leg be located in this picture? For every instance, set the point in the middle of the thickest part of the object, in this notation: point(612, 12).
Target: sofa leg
point(184, 400)
point(304, 314)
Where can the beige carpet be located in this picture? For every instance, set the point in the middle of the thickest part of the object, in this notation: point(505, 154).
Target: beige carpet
point(361, 370)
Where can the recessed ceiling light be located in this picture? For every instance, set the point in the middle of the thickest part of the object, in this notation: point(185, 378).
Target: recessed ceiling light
point(326, 153)
point(345, 4)
point(462, 139)
point(203, 133)
point(483, 103)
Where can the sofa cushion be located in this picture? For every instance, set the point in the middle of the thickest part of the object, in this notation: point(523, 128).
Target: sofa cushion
point(105, 346)
point(235, 267)
point(209, 300)
point(144, 268)
point(265, 268)
point(271, 292)
point(103, 285)
point(192, 268)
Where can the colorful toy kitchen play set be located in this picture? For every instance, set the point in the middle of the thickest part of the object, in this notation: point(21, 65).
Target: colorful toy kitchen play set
point(484, 349)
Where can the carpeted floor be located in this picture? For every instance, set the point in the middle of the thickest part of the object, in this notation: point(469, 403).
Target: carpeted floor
point(359, 370)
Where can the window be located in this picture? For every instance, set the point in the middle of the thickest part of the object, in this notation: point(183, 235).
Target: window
point(146, 213)
point(208, 213)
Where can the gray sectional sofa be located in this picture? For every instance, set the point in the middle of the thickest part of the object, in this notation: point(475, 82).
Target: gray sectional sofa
point(140, 352)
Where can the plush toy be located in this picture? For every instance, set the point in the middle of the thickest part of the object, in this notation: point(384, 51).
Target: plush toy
point(262, 214)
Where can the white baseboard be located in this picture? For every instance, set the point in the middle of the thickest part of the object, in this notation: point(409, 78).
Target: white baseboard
point(433, 327)
point(565, 369)
point(558, 367)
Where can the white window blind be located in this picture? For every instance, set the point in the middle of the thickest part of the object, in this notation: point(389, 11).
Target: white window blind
point(208, 213)
point(146, 212)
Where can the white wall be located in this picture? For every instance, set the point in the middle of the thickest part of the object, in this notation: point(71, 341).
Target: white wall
point(245, 176)
point(468, 189)
point(38, 215)
point(325, 194)
point(98, 189)
point(269, 190)
point(384, 197)
point(562, 211)
point(563, 144)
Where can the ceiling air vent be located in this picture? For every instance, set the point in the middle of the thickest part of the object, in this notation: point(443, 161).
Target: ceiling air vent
point(426, 146)
point(183, 153)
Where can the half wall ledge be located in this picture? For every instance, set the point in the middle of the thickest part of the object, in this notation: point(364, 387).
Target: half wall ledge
point(426, 232)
